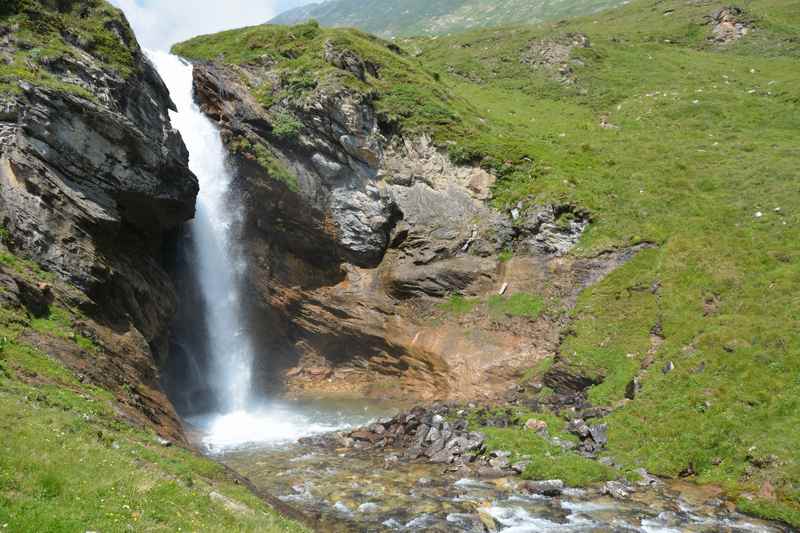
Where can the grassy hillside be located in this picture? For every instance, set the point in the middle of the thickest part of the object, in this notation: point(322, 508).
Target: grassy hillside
point(699, 157)
point(666, 137)
point(70, 462)
point(38, 34)
point(390, 18)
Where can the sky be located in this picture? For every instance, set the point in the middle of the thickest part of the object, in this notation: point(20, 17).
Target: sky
point(160, 23)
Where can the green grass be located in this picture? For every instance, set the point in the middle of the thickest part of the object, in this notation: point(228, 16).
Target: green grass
point(68, 463)
point(689, 177)
point(547, 461)
point(40, 28)
point(422, 17)
point(519, 304)
point(459, 305)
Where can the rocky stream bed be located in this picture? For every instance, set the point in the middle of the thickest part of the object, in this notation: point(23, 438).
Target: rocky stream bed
point(424, 470)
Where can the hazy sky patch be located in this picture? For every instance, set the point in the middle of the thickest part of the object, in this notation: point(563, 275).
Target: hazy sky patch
point(160, 23)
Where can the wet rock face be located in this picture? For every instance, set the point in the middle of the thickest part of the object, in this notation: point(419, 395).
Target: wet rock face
point(90, 183)
point(93, 179)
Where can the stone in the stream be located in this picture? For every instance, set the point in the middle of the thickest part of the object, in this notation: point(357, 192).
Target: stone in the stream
point(433, 435)
point(443, 456)
point(616, 490)
point(364, 435)
point(391, 460)
point(551, 487)
point(487, 520)
point(342, 508)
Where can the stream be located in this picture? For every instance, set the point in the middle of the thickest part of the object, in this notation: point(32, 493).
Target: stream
point(360, 491)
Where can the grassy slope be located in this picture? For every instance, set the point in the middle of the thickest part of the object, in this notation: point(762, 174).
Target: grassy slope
point(41, 35)
point(68, 463)
point(706, 138)
point(425, 17)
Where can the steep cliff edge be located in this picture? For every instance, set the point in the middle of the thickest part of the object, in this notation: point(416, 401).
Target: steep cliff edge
point(92, 180)
point(361, 227)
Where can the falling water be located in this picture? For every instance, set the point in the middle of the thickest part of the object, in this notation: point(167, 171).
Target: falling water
point(218, 263)
point(243, 418)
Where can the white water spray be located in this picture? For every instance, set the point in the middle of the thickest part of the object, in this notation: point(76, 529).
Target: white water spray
point(218, 263)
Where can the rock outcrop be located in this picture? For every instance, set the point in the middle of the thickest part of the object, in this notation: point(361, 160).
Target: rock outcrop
point(357, 236)
point(93, 178)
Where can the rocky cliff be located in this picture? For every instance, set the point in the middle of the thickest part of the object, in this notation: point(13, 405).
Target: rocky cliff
point(93, 179)
point(379, 265)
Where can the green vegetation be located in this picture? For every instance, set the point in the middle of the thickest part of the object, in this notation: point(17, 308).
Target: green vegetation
point(423, 17)
point(459, 305)
point(404, 93)
point(519, 304)
point(43, 35)
point(273, 166)
point(69, 463)
point(285, 126)
point(547, 460)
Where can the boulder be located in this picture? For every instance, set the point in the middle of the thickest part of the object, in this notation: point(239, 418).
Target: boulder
point(552, 487)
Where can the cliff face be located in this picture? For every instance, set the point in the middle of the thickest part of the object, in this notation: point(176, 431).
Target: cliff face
point(364, 240)
point(93, 177)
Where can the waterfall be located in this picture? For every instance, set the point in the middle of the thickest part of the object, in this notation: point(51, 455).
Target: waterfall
point(241, 417)
point(218, 262)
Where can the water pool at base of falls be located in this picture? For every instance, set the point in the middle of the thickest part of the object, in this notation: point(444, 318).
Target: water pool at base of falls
point(275, 423)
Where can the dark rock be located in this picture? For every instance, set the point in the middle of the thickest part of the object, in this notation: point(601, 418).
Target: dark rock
point(616, 490)
point(599, 434)
point(633, 388)
point(364, 435)
point(553, 487)
point(579, 428)
point(566, 380)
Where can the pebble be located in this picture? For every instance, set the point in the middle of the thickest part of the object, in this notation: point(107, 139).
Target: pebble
point(368, 507)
